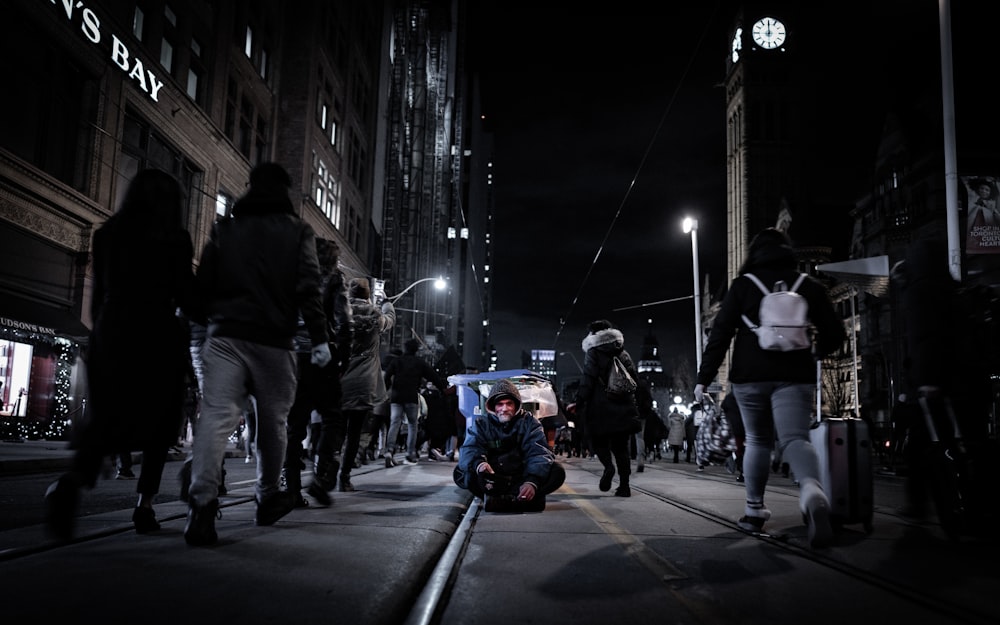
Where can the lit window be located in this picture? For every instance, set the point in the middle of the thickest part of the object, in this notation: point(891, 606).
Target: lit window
point(248, 44)
point(465, 233)
point(169, 14)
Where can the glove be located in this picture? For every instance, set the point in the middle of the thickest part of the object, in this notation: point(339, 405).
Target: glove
point(321, 355)
point(699, 392)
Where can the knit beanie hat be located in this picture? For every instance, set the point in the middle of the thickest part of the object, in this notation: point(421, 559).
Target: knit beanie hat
point(504, 389)
point(359, 289)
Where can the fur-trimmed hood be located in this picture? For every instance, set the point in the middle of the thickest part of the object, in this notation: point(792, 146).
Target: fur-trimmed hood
point(612, 338)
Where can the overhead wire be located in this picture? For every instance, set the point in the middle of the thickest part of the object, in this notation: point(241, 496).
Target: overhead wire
point(642, 162)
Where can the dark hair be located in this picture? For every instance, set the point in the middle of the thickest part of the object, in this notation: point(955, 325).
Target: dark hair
point(359, 288)
point(154, 198)
point(411, 346)
point(770, 247)
point(328, 253)
point(600, 324)
point(270, 175)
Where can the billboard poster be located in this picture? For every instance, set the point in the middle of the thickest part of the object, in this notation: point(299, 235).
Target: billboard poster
point(983, 215)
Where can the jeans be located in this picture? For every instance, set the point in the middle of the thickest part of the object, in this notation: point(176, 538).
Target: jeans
point(234, 370)
point(770, 411)
point(396, 413)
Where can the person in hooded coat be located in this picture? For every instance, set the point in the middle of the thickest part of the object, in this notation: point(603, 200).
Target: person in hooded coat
point(607, 418)
point(505, 458)
point(362, 384)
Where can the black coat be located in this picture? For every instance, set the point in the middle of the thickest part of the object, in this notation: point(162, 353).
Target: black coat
point(602, 414)
point(138, 363)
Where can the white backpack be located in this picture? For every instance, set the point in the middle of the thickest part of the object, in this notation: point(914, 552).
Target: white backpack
point(784, 317)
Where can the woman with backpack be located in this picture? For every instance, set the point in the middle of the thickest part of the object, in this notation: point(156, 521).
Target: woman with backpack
point(774, 389)
point(609, 418)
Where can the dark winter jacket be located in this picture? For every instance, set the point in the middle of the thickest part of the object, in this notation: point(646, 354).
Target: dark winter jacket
point(602, 414)
point(487, 439)
point(259, 270)
point(404, 377)
point(339, 320)
point(750, 363)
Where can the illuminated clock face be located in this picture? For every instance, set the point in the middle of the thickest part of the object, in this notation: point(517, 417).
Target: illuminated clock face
point(768, 33)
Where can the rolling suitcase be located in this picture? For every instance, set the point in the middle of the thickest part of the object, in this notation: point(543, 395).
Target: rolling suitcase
point(844, 448)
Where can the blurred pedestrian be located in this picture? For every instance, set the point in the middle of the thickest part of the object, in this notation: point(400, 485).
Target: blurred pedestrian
point(403, 378)
point(607, 418)
point(253, 300)
point(362, 383)
point(731, 409)
point(774, 389)
point(440, 422)
point(676, 432)
point(691, 424)
point(644, 402)
point(505, 458)
point(319, 387)
point(142, 273)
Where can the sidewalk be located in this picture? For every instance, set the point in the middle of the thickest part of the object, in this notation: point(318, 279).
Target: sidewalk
point(670, 553)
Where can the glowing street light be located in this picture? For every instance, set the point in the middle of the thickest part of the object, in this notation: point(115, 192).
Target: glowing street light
point(439, 284)
point(690, 225)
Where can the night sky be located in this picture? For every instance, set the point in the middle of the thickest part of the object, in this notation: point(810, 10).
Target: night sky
point(609, 128)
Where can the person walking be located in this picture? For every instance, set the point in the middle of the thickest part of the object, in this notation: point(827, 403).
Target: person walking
point(644, 402)
point(440, 422)
point(253, 300)
point(319, 387)
point(362, 383)
point(691, 424)
point(676, 433)
point(143, 272)
point(774, 389)
point(607, 418)
point(403, 378)
point(731, 409)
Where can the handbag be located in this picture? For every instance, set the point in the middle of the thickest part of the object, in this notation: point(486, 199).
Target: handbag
point(620, 383)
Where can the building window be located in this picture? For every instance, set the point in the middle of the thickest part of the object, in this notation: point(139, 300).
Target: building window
point(142, 148)
point(248, 43)
point(167, 55)
point(223, 204)
point(244, 139)
point(326, 191)
point(229, 123)
point(262, 65)
point(139, 24)
point(48, 123)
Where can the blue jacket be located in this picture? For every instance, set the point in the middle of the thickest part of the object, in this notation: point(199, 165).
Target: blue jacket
point(487, 438)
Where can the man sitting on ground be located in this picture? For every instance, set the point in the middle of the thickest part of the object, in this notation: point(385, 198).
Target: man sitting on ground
point(505, 458)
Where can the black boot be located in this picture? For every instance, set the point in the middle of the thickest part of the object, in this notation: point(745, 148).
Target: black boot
point(324, 480)
point(345, 483)
point(200, 528)
point(293, 484)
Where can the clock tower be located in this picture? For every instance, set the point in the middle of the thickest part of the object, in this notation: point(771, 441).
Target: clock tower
point(767, 127)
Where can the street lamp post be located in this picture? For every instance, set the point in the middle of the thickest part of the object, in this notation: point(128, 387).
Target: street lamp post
point(690, 225)
point(439, 284)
